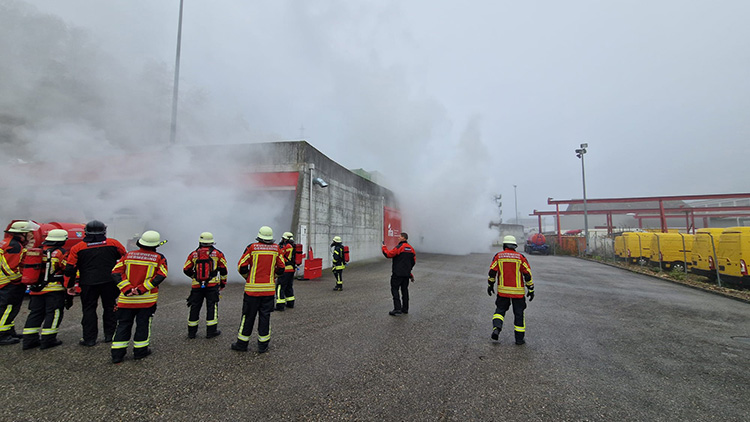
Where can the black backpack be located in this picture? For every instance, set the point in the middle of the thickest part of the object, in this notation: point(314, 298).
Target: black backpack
point(204, 266)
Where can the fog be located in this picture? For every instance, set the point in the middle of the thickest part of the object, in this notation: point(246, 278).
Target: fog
point(454, 103)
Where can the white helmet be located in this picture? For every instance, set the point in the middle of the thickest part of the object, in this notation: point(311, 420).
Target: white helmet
point(206, 237)
point(151, 239)
point(21, 227)
point(287, 236)
point(336, 239)
point(510, 240)
point(56, 235)
point(265, 233)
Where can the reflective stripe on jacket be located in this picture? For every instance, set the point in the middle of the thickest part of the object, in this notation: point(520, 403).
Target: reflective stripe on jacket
point(143, 270)
point(220, 266)
point(259, 264)
point(508, 268)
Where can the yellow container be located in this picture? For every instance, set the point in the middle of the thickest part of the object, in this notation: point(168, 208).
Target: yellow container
point(671, 250)
point(733, 255)
point(704, 248)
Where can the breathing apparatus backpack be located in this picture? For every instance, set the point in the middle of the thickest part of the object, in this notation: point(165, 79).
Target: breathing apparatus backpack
point(204, 266)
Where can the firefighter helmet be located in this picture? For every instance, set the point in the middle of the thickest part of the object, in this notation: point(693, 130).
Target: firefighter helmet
point(207, 238)
point(337, 239)
point(287, 236)
point(151, 239)
point(21, 227)
point(265, 233)
point(56, 235)
point(510, 240)
point(95, 227)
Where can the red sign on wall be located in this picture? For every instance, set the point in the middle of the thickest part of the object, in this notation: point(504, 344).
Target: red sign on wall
point(391, 226)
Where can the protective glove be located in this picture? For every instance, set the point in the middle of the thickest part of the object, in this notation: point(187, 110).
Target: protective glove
point(530, 295)
point(68, 301)
point(411, 277)
point(491, 289)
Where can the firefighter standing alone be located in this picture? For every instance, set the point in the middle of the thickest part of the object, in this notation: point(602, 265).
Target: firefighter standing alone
point(512, 271)
point(207, 268)
point(404, 258)
point(339, 262)
point(259, 265)
point(12, 252)
point(47, 295)
point(285, 288)
point(138, 275)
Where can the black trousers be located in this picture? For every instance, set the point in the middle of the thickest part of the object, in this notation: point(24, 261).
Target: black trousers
point(339, 275)
point(285, 290)
point(197, 296)
point(90, 295)
point(45, 315)
point(502, 305)
point(11, 299)
point(252, 306)
point(402, 284)
point(142, 338)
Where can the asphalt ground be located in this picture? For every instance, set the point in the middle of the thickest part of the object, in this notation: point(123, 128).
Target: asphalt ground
point(603, 344)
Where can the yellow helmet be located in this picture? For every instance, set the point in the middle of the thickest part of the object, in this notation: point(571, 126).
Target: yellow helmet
point(56, 235)
point(151, 238)
point(337, 239)
point(510, 240)
point(287, 236)
point(265, 233)
point(21, 227)
point(206, 237)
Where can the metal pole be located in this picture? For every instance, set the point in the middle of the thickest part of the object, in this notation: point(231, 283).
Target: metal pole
point(684, 253)
point(310, 211)
point(716, 261)
point(515, 196)
point(173, 128)
point(585, 207)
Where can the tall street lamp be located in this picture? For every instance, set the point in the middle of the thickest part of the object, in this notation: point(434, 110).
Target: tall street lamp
point(580, 153)
point(176, 87)
point(515, 196)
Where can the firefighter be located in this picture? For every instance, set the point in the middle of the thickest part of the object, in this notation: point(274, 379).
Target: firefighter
point(339, 263)
point(93, 259)
point(285, 286)
point(207, 268)
point(47, 295)
point(12, 252)
point(258, 265)
point(512, 271)
point(137, 276)
point(404, 259)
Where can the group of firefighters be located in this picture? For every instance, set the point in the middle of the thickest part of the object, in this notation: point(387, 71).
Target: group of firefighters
point(127, 284)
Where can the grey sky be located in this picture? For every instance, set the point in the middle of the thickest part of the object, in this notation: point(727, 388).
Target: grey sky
point(490, 93)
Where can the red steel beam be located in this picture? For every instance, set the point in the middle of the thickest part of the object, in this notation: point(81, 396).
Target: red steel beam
point(551, 201)
point(647, 211)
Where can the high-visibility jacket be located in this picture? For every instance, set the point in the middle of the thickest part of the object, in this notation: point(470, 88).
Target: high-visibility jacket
point(13, 253)
point(287, 252)
point(143, 270)
point(55, 256)
point(337, 257)
point(219, 265)
point(513, 272)
point(404, 258)
point(259, 264)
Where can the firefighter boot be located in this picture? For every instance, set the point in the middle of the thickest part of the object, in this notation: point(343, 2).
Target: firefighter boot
point(141, 352)
point(280, 307)
point(495, 333)
point(290, 304)
point(192, 331)
point(118, 355)
point(212, 331)
point(240, 346)
point(30, 341)
point(6, 339)
point(49, 341)
point(519, 338)
point(263, 346)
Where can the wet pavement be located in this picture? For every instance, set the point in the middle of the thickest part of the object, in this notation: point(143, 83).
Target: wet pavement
point(602, 344)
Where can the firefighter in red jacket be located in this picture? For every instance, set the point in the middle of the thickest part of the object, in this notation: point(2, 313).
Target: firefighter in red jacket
point(285, 287)
point(47, 295)
point(513, 272)
point(12, 252)
point(138, 275)
point(404, 259)
point(259, 265)
point(207, 268)
point(92, 261)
